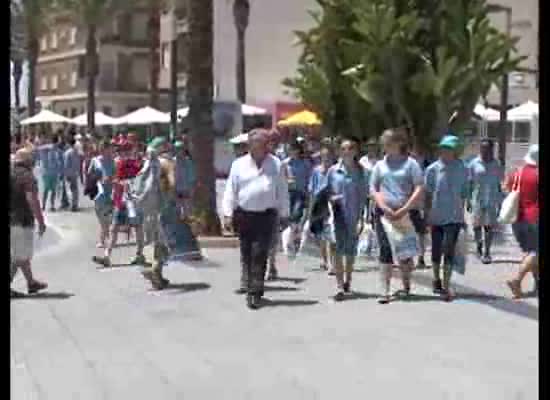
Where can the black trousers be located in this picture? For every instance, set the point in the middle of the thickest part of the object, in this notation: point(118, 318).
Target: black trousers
point(255, 230)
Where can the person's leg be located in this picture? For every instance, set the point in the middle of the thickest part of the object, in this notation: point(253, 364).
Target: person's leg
point(437, 249)
point(419, 224)
point(450, 237)
point(385, 259)
point(350, 261)
point(323, 248)
point(406, 268)
point(272, 274)
point(527, 265)
point(63, 190)
point(489, 235)
point(73, 183)
point(527, 237)
point(261, 229)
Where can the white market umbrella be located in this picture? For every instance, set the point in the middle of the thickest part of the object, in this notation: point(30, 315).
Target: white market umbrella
point(487, 113)
point(46, 117)
point(144, 116)
point(246, 110)
point(525, 112)
point(252, 110)
point(100, 119)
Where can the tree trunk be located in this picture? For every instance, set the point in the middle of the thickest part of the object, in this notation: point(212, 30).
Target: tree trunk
point(91, 71)
point(17, 74)
point(241, 66)
point(154, 61)
point(199, 95)
point(33, 57)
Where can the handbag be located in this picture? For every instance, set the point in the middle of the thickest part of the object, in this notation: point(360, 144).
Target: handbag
point(510, 206)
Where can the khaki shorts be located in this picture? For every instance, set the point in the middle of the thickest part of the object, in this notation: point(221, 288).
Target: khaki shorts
point(21, 243)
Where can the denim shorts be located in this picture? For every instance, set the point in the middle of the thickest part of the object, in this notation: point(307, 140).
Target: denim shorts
point(120, 217)
point(527, 236)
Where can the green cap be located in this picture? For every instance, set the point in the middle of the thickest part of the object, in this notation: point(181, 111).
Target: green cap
point(450, 142)
point(178, 144)
point(157, 142)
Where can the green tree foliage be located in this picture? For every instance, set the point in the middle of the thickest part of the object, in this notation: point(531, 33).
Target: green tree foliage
point(387, 63)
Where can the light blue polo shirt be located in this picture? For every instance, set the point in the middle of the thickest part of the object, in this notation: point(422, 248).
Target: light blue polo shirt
point(448, 185)
point(396, 178)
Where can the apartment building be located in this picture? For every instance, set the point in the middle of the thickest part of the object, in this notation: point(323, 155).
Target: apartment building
point(123, 80)
point(524, 25)
point(270, 52)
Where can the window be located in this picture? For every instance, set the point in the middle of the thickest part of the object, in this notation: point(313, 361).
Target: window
point(72, 36)
point(44, 43)
point(54, 40)
point(44, 83)
point(165, 56)
point(73, 112)
point(54, 81)
point(65, 113)
point(74, 78)
point(522, 132)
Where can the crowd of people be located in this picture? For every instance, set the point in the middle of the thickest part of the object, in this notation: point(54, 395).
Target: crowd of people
point(329, 189)
point(143, 189)
point(349, 197)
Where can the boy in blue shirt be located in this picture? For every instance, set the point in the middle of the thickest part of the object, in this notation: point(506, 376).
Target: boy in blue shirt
point(446, 185)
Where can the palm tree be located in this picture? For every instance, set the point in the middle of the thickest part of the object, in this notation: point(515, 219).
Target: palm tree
point(241, 13)
point(153, 25)
point(199, 96)
point(17, 48)
point(91, 14)
point(34, 16)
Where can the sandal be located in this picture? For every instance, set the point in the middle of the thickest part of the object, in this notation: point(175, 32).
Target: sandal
point(384, 299)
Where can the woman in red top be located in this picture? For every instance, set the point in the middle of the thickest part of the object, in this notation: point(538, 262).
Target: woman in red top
point(526, 228)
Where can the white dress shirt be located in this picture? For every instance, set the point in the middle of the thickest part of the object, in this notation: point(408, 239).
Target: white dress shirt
point(256, 189)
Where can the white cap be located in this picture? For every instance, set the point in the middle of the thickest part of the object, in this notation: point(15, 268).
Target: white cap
point(239, 139)
point(78, 136)
point(532, 156)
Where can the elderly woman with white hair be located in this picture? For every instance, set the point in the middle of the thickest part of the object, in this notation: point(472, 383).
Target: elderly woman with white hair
point(525, 180)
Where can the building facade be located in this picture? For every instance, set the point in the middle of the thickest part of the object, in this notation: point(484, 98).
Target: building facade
point(122, 83)
point(524, 25)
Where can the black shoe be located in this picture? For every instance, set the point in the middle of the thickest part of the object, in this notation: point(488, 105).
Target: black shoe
point(340, 296)
point(437, 286)
point(347, 288)
point(241, 291)
point(74, 209)
point(36, 287)
point(486, 259)
point(52, 209)
point(253, 301)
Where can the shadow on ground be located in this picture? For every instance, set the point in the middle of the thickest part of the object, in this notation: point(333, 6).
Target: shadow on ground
point(175, 288)
point(288, 303)
point(46, 296)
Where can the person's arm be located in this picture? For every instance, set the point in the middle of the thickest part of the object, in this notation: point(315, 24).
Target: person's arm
point(229, 201)
point(32, 197)
point(418, 182)
point(375, 181)
point(283, 201)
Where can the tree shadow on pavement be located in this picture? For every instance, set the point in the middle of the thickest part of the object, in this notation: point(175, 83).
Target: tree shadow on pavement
point(46, 296)
point(288, 303)
point(416, 298)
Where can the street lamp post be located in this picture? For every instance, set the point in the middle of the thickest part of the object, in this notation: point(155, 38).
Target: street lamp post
point(504, 89)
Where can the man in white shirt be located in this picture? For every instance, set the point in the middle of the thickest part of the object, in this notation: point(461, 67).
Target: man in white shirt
point(256, 193)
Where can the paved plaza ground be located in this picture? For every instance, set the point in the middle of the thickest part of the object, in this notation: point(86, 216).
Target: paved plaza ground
point(103, 335)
